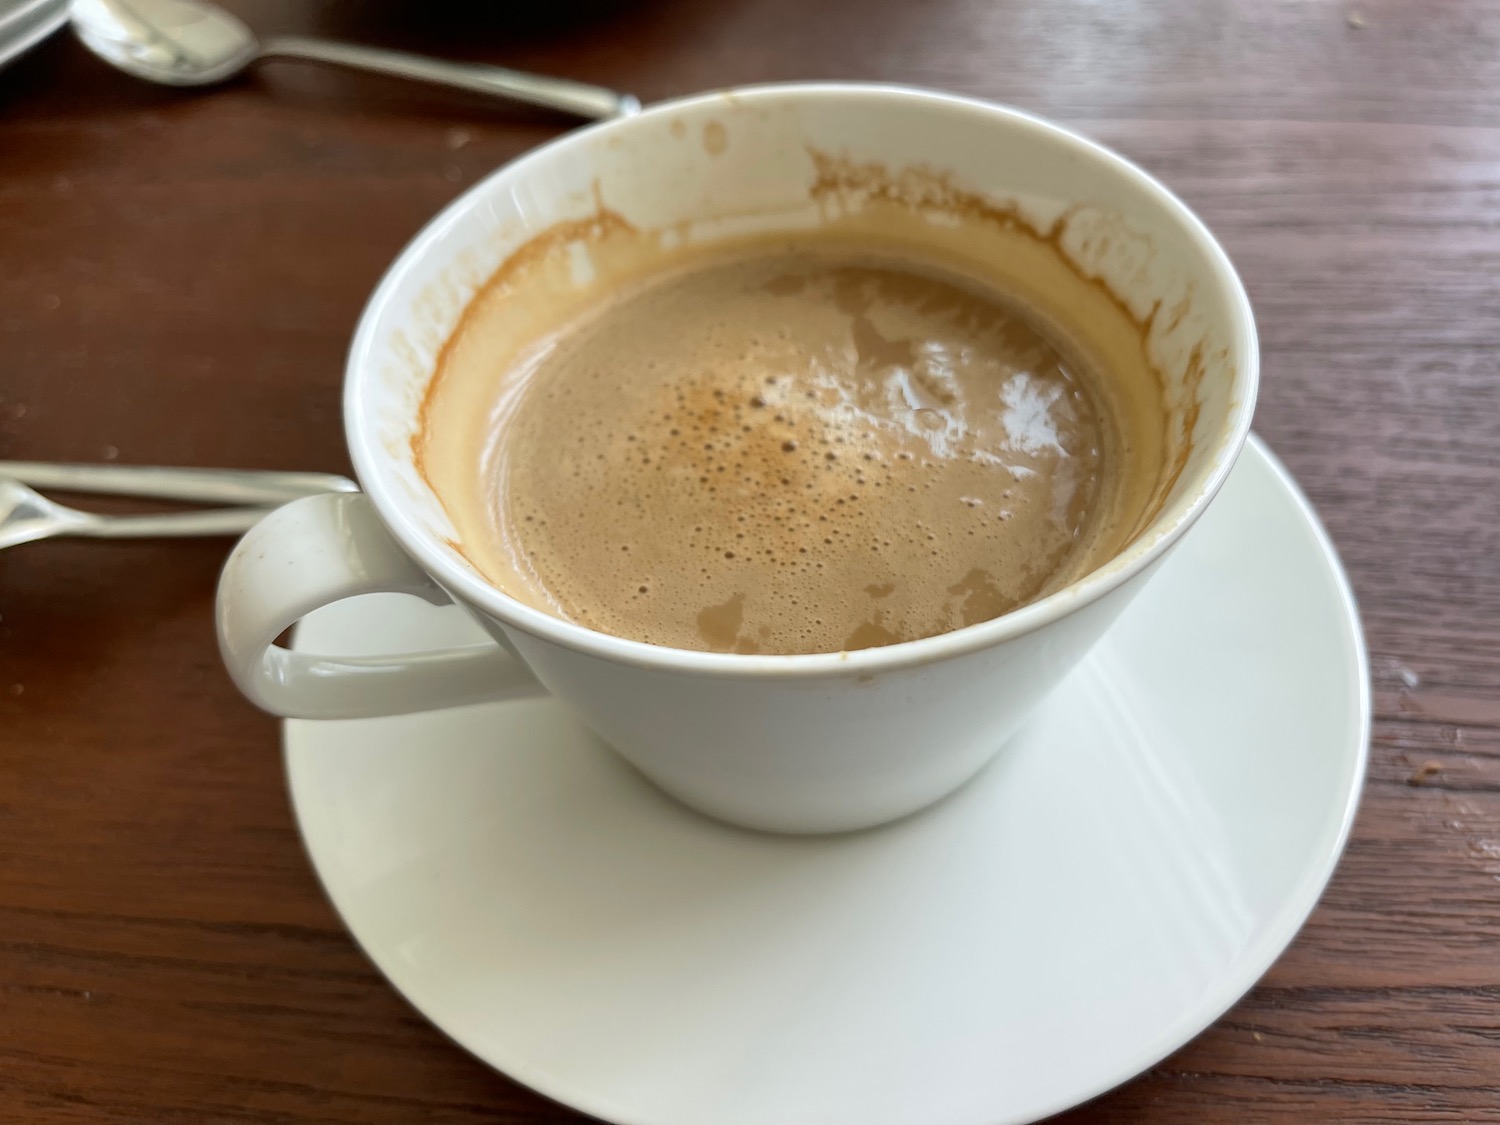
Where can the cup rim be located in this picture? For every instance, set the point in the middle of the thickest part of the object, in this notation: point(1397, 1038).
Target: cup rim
point(439, 559)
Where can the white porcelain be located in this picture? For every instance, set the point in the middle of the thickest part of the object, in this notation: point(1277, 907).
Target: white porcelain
point(788, 743)
point(1130, 864)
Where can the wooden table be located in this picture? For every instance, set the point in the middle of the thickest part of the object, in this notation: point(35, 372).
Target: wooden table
point(179, 276)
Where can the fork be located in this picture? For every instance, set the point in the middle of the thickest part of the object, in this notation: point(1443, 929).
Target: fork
point(26, 515)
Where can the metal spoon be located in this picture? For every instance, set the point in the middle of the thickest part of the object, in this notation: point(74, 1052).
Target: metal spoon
point(26, 516)
point(188, 43)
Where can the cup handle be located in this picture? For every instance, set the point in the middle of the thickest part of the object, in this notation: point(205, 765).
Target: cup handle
point(316, 551)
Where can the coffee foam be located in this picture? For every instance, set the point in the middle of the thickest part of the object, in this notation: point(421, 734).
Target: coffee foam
point(958, 456)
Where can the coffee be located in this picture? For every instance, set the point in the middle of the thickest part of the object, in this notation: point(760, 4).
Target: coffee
point(799, 444)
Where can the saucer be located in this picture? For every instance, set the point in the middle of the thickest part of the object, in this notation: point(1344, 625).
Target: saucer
point(1122, 873)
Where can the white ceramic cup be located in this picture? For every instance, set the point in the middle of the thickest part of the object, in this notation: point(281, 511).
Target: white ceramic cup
point(809, 743)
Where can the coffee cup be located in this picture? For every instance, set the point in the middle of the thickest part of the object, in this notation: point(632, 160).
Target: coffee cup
point(818, 742)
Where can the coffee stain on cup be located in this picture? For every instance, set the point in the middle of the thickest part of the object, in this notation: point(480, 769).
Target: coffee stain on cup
point(715, 138)
point(542, 252)
point(842, 186)
point(931, 203)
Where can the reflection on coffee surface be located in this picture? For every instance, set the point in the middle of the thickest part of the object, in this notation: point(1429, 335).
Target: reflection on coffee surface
point(791, 445)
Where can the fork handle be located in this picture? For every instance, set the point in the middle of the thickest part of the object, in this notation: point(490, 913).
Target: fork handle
point(200, 486)
point(170, 525)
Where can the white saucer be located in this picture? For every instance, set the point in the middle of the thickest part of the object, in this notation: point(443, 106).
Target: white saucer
point(1127, 868)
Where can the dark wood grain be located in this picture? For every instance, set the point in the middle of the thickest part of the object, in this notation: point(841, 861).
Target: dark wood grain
point(179, 275)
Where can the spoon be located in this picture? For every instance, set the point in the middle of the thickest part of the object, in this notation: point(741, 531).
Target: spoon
point(190, 43)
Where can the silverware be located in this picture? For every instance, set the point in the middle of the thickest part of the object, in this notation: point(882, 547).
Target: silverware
point(190, 43)
point(26, 515)
point(195, 486)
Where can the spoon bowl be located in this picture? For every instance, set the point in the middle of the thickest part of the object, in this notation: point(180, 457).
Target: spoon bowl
point(174, 42)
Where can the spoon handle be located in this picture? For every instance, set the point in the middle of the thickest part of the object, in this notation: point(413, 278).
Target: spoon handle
point(578, 98)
